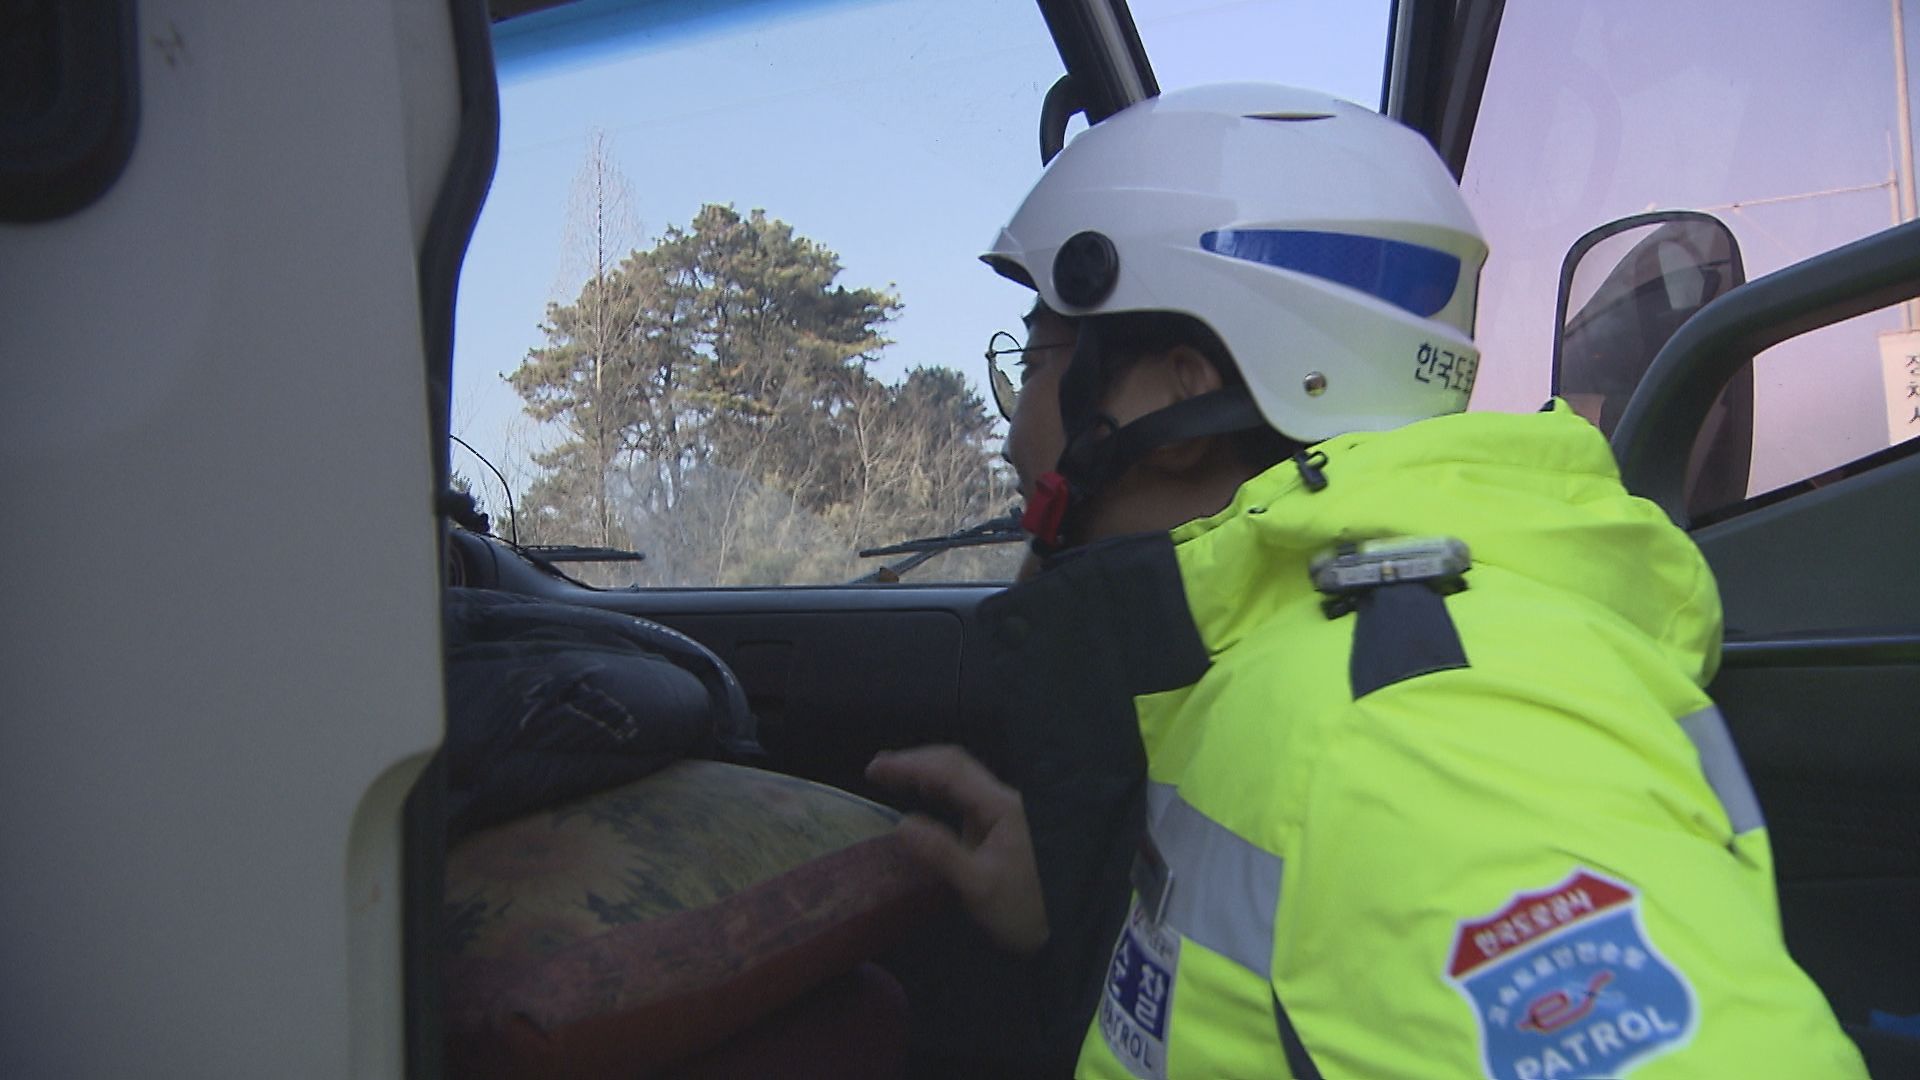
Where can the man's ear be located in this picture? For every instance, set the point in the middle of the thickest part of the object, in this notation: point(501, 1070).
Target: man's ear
point(1193, 372)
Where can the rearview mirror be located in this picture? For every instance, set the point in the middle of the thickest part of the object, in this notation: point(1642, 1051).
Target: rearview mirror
point(1625, 288)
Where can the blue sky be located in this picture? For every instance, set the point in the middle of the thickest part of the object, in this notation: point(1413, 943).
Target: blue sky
point(898, 133)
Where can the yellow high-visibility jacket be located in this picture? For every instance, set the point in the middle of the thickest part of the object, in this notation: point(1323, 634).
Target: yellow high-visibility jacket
point(1499, 833)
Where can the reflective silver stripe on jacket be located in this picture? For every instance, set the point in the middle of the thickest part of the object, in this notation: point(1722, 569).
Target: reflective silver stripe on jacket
point(1720, 760)
point(1225, 891)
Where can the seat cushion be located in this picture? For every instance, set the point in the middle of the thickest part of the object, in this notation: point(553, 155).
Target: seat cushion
point(632, 929)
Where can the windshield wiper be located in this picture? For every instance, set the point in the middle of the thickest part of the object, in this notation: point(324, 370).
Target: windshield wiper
point(548, 558)
point(1001, 530)
point(569, 553)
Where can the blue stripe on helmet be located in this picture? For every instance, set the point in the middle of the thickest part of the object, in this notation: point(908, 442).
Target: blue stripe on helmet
point(1408, 276)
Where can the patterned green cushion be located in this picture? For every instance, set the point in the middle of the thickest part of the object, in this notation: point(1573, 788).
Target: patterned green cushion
point(629, 929)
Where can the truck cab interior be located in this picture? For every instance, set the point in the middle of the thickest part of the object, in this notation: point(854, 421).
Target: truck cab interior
point(231, 253)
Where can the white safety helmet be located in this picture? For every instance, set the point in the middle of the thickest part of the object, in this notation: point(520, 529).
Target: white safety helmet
point(1326, 245)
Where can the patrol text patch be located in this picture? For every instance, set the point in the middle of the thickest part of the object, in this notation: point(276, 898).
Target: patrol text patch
point(1564, 983)
point(1139, 996)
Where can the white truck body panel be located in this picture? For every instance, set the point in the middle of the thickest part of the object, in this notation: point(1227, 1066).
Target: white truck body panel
point(221, 661)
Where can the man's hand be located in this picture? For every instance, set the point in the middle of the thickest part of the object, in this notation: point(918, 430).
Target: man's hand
point(990, 861)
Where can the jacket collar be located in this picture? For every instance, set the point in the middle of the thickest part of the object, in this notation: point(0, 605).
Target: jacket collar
point(1535, 496)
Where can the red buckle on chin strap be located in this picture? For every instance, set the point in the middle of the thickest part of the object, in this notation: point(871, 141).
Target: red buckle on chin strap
point(1046, 509)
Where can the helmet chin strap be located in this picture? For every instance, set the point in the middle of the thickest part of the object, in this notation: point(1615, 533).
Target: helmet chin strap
point(1059, 495)
point(1102, 451)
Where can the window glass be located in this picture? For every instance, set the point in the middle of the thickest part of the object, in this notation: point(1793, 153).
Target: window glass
point(1786, 127)
point(722, 306)
point(1335, 46)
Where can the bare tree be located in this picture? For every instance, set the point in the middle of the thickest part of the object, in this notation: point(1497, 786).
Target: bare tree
point(586, 377)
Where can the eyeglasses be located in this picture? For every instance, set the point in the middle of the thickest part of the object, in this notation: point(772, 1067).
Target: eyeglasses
point(1004, 393)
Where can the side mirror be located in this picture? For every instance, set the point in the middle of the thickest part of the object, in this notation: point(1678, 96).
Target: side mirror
point(1625, 289)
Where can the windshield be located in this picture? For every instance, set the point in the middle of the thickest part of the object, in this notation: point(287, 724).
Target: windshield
point(722, 307)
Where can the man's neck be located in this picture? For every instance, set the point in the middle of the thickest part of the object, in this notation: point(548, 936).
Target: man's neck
point(1152, 499)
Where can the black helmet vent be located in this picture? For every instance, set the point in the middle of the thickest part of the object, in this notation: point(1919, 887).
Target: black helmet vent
point(1085, 269)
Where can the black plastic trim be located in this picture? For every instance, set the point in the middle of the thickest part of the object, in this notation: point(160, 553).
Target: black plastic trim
point(1415, 64)
point(1448, 49)
point(456, 209)
point(455, 212)
point(1476, 29)
point(1860, 648)
point(60, 157)
point(1656, 433)
point(1392, 59)
point(423, 884)
point(1056, 110)
point(1875, 460)
point(1107, 81)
